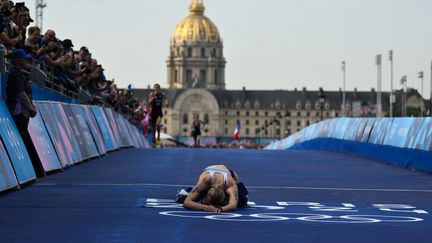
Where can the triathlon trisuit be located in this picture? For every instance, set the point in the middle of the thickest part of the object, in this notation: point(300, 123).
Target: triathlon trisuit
point(213, 171)
point(197, 128)
point(156, 105)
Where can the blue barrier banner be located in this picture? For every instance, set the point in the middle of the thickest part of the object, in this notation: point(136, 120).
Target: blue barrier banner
point(339, 127)
point(368, 130)
point(7, 175)
point(134, 135)
point(95, 130)
point(84, 130)
point(324, 129)
point(380, 130)
point(112, 123)
point(82, 136)
point(397, 134)
point(57, 131)
point(420, 135)
point(105, 129)
point(66, 127)
point(43, 145)
point(125, 137)
point(15, 147)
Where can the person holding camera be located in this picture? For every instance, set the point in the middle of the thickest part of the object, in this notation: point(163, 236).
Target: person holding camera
point(156, 102)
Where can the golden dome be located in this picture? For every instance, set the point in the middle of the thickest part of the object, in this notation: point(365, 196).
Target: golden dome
point(196, 27)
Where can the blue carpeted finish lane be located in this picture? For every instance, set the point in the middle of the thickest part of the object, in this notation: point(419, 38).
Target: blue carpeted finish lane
point(127, 197)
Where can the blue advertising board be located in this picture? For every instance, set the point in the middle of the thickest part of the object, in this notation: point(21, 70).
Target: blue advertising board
point(380, 130)
point(125, 137)
point(80, 132)
point(367, 130)
point(421, 135)
point(397, 134)
point(112, 123)
point(67, 131)
point(56, 132)
point(84, 131)
point(105, 129)
point(15, 147)
point(7, 175)
point(95, 130)
point(43, 145)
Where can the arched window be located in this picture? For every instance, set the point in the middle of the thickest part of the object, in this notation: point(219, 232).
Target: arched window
point(185, 119)
point(203, 54)
point(206, 119)
point(176, 76)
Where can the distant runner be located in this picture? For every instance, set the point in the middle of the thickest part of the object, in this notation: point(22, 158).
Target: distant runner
point(156, 101)
point(196, 130)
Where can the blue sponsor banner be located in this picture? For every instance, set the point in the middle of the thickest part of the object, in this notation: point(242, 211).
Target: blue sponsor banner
point(112, 123)
point(105, 129)
point(43, 145)
point(7, 175)
point(367, 130)
point(134, 135)
point(82, 137)
point(84, 131)
point(15, 147)
point(339, 127)
point(67, 132)
point(380, 130)
point(397, 134)
point(421, 134)
point(95, 130)
point(125, 137)
point(56, 132)
point(310, 132)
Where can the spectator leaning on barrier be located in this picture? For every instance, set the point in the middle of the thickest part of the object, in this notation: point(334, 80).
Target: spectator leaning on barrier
point(20, 103)
point(19, 92)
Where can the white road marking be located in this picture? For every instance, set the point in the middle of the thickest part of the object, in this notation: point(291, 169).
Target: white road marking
point(250, 187)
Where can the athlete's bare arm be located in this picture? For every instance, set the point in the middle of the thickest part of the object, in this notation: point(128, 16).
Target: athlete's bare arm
point(191, 200)
point(233, 199)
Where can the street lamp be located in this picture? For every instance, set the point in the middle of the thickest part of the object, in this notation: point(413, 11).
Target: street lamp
point(420, 76)
point(391, 82)
point(379, 87)
point(322, 99)
point(404, 82)
point(344, 82)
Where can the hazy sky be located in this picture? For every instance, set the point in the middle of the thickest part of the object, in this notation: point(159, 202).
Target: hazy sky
point(271, 44)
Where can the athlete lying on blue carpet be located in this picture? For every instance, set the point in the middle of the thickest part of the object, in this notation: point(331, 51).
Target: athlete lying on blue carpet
point(217, 190)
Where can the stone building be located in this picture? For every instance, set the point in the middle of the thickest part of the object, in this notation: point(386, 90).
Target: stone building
point(196, 86)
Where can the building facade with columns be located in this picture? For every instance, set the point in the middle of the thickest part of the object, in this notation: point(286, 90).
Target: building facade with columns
point(196, 86)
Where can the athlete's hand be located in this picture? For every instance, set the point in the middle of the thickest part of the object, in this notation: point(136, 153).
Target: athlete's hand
point(210, 209)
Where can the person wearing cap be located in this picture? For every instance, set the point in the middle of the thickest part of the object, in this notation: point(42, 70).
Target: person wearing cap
point(20, 104)
point(19, 92)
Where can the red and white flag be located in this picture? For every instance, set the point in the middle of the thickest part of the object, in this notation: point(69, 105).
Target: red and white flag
point(237, 131)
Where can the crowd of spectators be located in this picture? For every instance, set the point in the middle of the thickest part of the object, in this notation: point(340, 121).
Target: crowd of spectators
point(74, 70)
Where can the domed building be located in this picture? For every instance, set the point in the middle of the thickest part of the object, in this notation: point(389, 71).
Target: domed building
point(196, 86)
point(196, 53)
